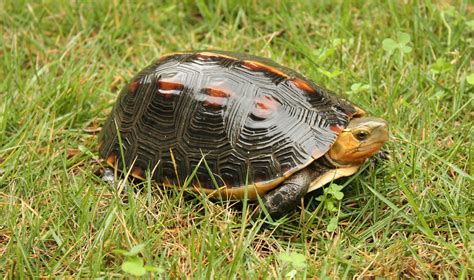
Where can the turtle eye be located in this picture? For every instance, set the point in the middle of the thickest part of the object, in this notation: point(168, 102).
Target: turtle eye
point(362, 135)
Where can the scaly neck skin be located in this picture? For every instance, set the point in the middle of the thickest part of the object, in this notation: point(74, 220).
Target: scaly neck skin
point(335, 164)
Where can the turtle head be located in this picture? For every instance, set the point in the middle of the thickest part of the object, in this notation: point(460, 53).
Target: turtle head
point(361, 139)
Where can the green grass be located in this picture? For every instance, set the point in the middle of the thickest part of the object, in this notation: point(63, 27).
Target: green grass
point(62, 64)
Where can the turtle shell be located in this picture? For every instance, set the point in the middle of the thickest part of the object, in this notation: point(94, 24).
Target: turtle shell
point(221, 121)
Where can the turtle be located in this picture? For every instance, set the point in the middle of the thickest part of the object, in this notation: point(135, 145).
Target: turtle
point(236, 126)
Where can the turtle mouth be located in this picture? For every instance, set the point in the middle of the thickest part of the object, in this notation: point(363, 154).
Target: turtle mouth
point(361, 153)
point(369, 147)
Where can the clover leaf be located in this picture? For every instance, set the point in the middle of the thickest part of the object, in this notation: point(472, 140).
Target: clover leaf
point(390, 45)
point(330, 74)
point(134, 264)
point(358, 87)
point(470, 24)
point(335, 191)
point(470, 79)
point(332, 225)
point(295, 260)
point(440, 66)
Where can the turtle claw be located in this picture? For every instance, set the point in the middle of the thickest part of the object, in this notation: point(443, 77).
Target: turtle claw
point(380, 156)
point(109, 177)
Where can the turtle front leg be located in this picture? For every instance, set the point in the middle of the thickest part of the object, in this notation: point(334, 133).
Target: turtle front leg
point(286, 196)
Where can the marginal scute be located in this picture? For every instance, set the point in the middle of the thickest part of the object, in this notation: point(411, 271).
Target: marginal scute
point(317, 153)
point(137, 172)
point(112, 159)
point(209, 55)
point(299, 83)
point(133, 86)
point(257, 66)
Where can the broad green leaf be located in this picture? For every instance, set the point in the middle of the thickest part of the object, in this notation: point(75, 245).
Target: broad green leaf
point(338, 195)
point(440, 66)
point(470, 25)
point(285, 257)
point(329, 205)
point(332, 225)
point(329, 74)
point(389, 45)
point(405, 49)
point(120, 251)
point(403, 38)
point(358, 87)
point(154, 269)
point(296, 260)
point(324, 54)
point(299, 260)
point(438, 95)
point(336, 187)
point(470, 79)
point(335, 191)
point(338, 42)
point(451, 11)
point(134, 266)
point(135, 250)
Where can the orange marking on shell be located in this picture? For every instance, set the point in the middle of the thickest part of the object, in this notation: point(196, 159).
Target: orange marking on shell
point(169, 89)
point(299, 83)
point(215, 98)
point(336, 128)
point(137, 172)
point(265, 106)
point(112, 159)
point(257, 66)
point(217, 92)
point(165, 85)
point(133, 86)
point(208, 55)
point(262, 106)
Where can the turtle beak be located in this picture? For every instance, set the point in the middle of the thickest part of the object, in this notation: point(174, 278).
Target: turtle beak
point(382, 130)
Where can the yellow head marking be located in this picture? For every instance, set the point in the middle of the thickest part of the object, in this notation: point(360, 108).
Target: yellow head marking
point(361, 139)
